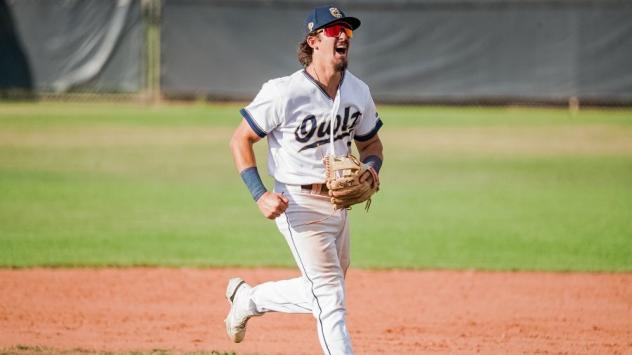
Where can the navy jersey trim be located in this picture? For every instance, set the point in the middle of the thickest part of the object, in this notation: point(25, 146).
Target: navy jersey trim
point(371, 134)
point(315, 82)
point(255, 127)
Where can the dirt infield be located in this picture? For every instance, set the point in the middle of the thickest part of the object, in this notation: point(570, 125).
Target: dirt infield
point(391, 312)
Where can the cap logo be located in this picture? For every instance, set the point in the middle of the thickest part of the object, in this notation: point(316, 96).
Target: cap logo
point(335, 12)
point(310, 26)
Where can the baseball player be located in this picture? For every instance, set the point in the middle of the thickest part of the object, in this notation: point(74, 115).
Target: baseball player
point(307, 116)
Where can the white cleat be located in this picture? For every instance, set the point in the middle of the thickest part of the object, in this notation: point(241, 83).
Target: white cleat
point(237, 318)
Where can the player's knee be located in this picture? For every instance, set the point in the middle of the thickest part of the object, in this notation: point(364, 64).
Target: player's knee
point(334, 279)
point(330, 288)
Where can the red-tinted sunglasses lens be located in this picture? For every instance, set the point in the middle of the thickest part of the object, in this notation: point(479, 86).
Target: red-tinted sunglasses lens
point(335, 30)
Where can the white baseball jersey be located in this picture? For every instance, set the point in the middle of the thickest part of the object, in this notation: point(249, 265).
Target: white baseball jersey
point(295, 113)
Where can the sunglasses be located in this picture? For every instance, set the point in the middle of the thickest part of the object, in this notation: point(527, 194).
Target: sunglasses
point(335, 30)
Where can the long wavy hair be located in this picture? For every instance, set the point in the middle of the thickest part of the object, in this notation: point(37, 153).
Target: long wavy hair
point(305, 53)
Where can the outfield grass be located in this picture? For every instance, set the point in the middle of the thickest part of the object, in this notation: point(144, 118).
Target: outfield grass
point(484, 188)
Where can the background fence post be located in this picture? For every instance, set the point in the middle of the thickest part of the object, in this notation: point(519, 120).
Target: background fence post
point(152, 18)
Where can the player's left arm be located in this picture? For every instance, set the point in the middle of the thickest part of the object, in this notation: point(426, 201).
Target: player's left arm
point(371, 152)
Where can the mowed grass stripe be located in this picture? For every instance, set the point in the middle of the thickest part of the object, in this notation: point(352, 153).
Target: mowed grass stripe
point(462, 188)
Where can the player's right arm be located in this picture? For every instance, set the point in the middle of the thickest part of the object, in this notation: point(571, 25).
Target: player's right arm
point(271, 204)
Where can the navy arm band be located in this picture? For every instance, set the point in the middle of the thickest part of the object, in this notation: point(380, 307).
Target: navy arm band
point(253, 182)
point(373, 161)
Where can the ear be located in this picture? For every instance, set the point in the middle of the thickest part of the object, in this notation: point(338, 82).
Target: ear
point(312, 41)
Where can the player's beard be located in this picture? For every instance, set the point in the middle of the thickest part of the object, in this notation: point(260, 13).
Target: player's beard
point(342, 66)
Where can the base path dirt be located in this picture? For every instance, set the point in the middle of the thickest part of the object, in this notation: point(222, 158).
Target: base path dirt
point(390, 312)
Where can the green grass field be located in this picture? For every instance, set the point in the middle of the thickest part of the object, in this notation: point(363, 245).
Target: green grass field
point(484, 188)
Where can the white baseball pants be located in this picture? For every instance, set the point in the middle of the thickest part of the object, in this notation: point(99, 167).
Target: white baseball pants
point(318, 237)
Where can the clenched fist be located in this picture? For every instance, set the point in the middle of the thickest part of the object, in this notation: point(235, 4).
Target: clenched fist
point(272, 204)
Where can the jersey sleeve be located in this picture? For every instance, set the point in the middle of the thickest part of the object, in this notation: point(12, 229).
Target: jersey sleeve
point(262, 114)
point(370, 122)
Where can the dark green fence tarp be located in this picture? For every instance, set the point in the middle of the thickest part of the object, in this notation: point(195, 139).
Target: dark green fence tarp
point(77, 45)
point(411, 50)
point(406, 50)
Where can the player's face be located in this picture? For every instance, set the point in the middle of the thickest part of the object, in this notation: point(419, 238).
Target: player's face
point(335, 43)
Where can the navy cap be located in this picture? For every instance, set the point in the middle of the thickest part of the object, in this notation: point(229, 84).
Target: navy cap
point(324, 15)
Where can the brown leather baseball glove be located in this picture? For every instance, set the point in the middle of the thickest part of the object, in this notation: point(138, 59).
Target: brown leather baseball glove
point(349, 181)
